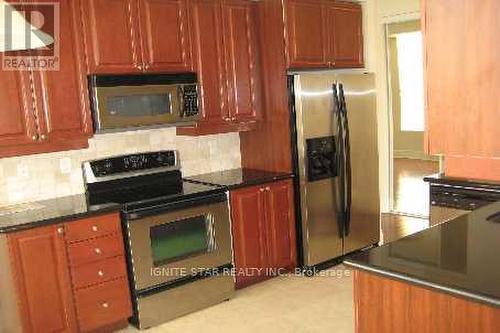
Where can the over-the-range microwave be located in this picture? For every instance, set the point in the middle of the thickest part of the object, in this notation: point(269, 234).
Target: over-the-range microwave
point(129, 102)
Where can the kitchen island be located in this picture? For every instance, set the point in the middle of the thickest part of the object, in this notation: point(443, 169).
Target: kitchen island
point(443, 279)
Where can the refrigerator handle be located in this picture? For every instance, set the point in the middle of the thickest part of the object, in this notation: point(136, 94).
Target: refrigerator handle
point(339, 158)
point(347, 167)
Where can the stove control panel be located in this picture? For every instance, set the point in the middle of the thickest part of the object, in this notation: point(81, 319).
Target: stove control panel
point(135, 163)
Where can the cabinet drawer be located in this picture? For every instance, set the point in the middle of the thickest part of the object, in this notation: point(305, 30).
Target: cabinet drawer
point(103, 305)
point(92, 227)
point(99, 272)
point(95, 249)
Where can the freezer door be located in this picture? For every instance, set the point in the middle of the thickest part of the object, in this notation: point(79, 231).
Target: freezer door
point(364, 226)
point(316, 140)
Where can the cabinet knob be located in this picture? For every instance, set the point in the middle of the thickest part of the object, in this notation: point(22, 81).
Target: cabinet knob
point(97, 250)
point(233, 118)
point(100, 273)
point(34, 137)
point(95, 228)
point(60, 230)
point(146, 66)
point(105, 305)
point(268, 188)
point(262, 189)
point(139, 67)
point(43, 137)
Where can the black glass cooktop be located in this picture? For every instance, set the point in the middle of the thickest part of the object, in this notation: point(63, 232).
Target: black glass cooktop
point(147, 191)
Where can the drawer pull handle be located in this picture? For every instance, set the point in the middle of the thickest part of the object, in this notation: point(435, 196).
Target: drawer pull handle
point(97, 251)
point(105, 305)
point(94, 228)
point(60, 231)
point(100, 273)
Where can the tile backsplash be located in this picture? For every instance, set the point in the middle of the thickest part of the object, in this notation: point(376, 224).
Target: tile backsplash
point(44, 176)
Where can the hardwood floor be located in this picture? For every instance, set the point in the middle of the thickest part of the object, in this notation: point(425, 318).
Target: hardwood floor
point(411, 193)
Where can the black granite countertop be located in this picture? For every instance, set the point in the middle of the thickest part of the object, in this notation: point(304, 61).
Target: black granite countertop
point(459, 257)
point(236, 178)
point(40, 213)
point(441, 179)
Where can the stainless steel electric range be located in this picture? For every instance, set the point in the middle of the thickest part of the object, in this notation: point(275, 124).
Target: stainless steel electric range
point(178, 234)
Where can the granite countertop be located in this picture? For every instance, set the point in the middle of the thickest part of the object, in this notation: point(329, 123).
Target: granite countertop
point(459, 257)
point(236, 178)
point(440, 178)
point(34, 214)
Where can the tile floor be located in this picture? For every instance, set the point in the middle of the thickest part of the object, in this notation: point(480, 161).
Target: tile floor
point(291, 304)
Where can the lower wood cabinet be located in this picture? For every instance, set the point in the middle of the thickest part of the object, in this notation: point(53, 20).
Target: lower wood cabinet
point(71, 277)
point(263, 222)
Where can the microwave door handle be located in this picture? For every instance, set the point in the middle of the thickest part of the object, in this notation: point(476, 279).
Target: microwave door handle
point(180, 92)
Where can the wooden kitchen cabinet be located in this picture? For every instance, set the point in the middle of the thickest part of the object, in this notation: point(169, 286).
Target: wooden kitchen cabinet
point(263, 230)
point(462, 79)
point(323, 34)
point(345, 26)
point(228, 64)
point(42, 277)
point(61, 288)
point(18, 117)
point(47, 110)
point(307, 34)
point(135, 36)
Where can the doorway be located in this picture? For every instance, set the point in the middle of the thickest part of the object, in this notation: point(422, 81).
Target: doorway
point(410, 163)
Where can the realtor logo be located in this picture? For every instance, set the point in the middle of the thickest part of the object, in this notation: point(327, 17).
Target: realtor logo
point(29, 36)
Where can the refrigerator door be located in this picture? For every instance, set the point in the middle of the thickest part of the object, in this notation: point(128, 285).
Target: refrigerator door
point(363, 228)
point(317, 137)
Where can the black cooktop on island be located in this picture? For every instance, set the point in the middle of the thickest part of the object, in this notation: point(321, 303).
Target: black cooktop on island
point(141, 181)
point(459, 257)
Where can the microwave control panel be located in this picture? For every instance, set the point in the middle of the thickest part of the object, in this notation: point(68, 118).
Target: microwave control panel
point(190, 101)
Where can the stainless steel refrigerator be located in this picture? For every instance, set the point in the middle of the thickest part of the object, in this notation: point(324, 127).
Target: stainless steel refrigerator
point(336, 161)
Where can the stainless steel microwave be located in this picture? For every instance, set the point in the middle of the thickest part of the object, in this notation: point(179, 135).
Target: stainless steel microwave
point(128, 102)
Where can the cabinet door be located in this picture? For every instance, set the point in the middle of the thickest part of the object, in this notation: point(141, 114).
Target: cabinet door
point(249, 241)
point(111, 36)
point(345, 32)
point(306, 34)
point(40, 269)
point(17, 125)
point(209, 53)
point(61, 95)
point(165, 35)
point(280, 222)
point(462, 80)
point(242, 60)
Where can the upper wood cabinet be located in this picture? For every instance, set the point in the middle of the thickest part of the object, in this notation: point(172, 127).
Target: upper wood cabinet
point(130, 36)
point(42, 279)
point(345, 46)
point(16, 108)
point(323, 34)
point(164, 35)
point(307, 33)
point(47, 110)
point(263, 230)
point(227, 60)
point(462, 79)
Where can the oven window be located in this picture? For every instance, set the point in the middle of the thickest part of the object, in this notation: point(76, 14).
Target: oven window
point(182, 239)
point(139, 105)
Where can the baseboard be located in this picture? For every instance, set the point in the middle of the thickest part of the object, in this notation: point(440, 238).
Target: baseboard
point(416, 155)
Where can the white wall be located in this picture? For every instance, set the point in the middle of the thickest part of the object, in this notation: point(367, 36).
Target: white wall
point(377, 13)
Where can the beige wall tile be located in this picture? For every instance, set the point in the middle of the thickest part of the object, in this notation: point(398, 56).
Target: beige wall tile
point(43, 176)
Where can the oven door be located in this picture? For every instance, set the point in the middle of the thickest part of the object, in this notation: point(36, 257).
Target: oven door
point(122, 107)
point(179, 243)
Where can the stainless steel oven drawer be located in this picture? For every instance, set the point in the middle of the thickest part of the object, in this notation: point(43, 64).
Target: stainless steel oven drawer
point(160, 307)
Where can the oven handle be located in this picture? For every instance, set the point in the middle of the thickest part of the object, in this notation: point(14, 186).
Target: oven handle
point(141, 213)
